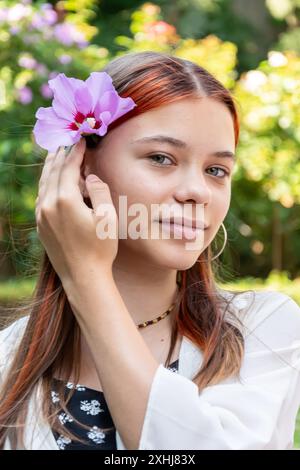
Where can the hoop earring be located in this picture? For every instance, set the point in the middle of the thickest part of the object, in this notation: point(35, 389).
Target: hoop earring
point(224, 244)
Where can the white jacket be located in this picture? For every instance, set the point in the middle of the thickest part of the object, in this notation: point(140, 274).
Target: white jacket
point(255, 411)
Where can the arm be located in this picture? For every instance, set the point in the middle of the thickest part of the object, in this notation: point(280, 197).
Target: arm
point(123, 361)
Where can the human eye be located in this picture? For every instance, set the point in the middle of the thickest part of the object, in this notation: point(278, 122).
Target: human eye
point(225, 172)
point(160, 156)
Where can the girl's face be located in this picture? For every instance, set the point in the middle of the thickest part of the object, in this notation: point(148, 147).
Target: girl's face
point(185, 172)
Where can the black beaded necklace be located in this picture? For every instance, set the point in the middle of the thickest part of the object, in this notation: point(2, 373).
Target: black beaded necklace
point(163, 315)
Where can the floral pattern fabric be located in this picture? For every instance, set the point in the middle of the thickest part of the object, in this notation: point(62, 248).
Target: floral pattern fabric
point(90, 408)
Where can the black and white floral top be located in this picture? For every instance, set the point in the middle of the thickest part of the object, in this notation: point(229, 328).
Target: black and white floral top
point(90, 408)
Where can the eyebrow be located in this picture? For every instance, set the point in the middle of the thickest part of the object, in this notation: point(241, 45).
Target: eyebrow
point(165, 139)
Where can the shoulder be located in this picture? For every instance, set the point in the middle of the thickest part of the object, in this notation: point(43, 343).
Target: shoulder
point(10, 338)
point(270, 315)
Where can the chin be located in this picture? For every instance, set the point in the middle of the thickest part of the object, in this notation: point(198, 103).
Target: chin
point(169, 253)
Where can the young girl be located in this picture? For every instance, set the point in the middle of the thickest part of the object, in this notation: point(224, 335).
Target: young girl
point(129, 343)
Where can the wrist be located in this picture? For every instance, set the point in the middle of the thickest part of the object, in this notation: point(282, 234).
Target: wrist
point(87, 279)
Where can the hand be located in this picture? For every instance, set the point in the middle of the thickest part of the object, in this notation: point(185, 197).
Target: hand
point(66, 226)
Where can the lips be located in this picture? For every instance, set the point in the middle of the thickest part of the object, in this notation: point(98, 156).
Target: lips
point(185, 222)
point(180, 231)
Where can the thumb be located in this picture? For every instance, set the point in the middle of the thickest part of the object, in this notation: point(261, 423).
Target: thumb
point(99, 194)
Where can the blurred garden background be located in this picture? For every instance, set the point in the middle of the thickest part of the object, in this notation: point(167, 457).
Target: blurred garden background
point(252, 47)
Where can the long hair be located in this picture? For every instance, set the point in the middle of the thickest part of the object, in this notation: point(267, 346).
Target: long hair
point(50, 342)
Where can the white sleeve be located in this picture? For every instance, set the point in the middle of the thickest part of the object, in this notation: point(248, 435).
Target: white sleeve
point(10, 338)
point(254, 411)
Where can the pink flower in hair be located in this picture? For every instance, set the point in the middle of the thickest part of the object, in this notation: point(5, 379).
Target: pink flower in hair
point(79, 108)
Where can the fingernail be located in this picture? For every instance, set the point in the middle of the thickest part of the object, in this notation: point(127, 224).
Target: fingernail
point(91, 178)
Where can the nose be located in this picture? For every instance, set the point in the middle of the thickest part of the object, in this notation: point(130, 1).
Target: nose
point(193, 188)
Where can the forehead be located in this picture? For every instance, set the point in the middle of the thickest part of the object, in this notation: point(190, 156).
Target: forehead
point(198, 122)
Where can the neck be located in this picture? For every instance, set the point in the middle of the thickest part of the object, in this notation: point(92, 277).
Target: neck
point(147, 291)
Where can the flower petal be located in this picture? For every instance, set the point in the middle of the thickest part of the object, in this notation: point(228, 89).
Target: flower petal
point(102, 130)
point(83, 100)
point(50, 131)
point(105, 117)
point(47, 114)
point(86, 129)
point(64, 94)
point(61, 110)
point(113, 103)
point(61, 80)
point(98, 83)
point(107, 102)
point(124, 105)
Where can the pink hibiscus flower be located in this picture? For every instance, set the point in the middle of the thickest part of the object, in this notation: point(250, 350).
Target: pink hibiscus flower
point(79, 108)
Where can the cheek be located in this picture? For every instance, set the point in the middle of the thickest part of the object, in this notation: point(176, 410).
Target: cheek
point(221, 202)
point(217, 211)
point(134, 191)
point(130, 181)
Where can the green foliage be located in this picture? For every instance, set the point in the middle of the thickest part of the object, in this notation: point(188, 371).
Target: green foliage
point(270, 137)
point(297, 433)
point(287, 13)
point(219, 57)
point(16, 290)
point(283, 8)
point(151, 32)
point(266, 190)
point(277, 281)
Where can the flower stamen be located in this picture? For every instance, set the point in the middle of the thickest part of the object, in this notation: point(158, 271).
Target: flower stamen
point(80, 118)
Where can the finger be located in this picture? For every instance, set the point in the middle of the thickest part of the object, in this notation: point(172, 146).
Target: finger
point(71, 170)
point(51, 192)
point(99, 194)
point(70, 173)
point(43, 180)
point(46, 170)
